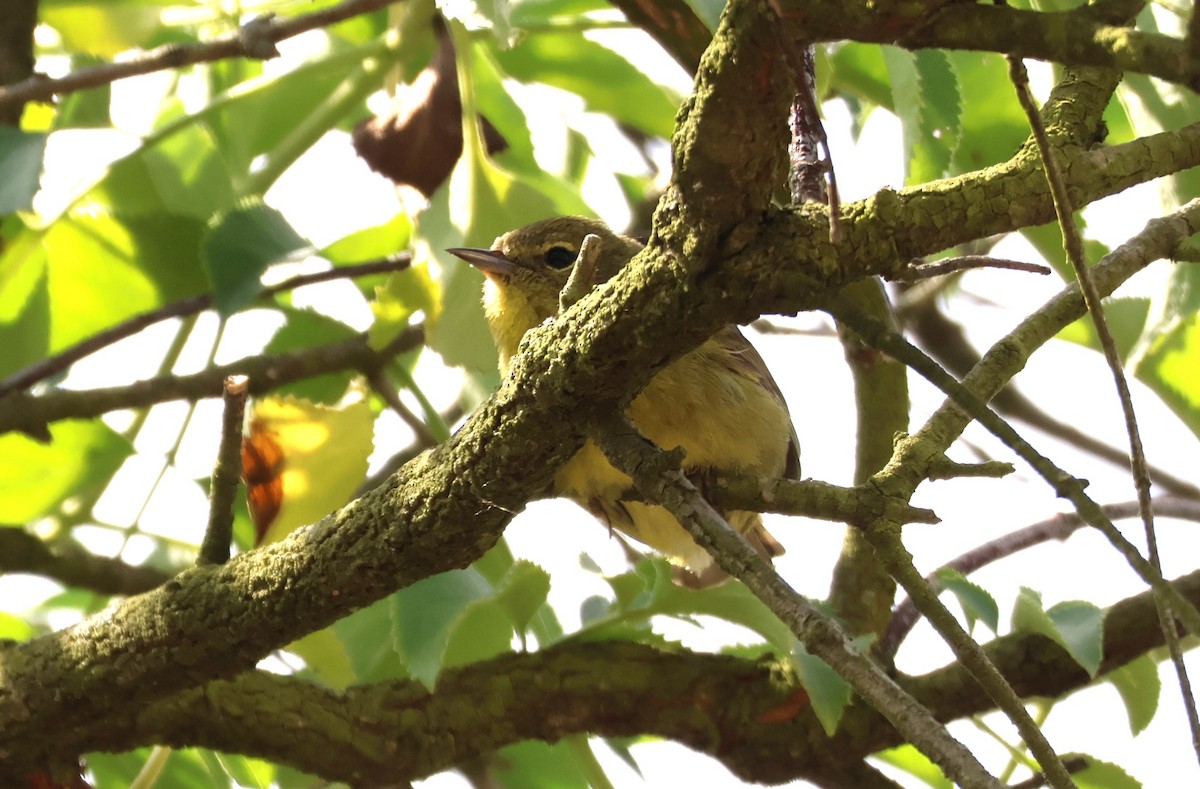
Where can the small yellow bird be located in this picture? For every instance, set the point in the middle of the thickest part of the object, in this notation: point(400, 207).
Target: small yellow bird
point(718, 402)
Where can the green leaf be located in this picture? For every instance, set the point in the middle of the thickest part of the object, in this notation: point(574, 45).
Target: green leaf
point(1140, 687)
point(1077, 626)
point(607, 82)
point(306, 328)
point(184, 769)
point(35, 478)
point(916, 764)
point(976, 603)
point(1104, 775)
point(483, 630)
point(535, 763)
point(405, 293)
point(89, 272)
point(238, 248)
point(424, 614)
point(522, 592)
point(325, 654)
point(246, 770)
point(370, 643)
point(860, 72)
point(1126, 322)
point(648, 590)
point(1047, 240)
point(1168, 353)
point(925, 94)
point(371, 243)
point(828, 692)
point(709, 11)
point(993, 125)
point(14, 628)
point(105, 28)
point(21, 155)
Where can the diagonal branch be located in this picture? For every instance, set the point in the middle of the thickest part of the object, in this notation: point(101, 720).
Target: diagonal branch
point(30, 413)
point(256, 39)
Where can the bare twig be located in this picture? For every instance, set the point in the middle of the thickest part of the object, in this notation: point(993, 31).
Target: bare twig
point(945, 468)
point(26, 412)
point(583, 273)
point(23, 379)
point(1065, 485)
point(656, 477)
point(1059, 527)
point(940, 268)
point(255, 40)
point(227, 472)
point(70, 564)
point(383, 387)
point(1073, 245)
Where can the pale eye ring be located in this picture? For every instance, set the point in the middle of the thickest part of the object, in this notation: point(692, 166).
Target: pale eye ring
point(560, 257)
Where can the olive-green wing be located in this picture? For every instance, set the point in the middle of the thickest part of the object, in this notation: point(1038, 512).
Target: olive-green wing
point(751, 363)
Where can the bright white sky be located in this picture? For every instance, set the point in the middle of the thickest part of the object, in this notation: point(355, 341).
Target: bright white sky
point(1084, 568)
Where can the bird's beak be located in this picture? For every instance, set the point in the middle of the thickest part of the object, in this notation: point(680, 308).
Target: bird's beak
point(491, 263)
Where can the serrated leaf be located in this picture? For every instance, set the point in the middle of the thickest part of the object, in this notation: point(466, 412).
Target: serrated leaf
point(976, 603)
point(1104, 775)
point(36, 478)
point(925, 95)
point(828, 692)
point(522, 592)
point(324, 451)
point(1077, 626)
point(238, 248)
point(993, 125)
point(424, 613)
point(1140, 686)
point(21, 155)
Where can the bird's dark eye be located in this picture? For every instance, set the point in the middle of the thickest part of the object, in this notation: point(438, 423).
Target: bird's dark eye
point(560, 257)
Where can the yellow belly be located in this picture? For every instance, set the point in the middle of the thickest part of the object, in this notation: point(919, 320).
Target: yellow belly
point(721, 418)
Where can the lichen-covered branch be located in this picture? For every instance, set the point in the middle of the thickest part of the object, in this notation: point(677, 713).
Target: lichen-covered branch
point(396, 731)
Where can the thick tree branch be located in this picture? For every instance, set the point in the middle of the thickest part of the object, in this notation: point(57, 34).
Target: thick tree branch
point(401, 731)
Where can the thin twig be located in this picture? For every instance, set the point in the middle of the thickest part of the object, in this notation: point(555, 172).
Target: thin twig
point(1073, 245)
point(227, 473)
point(255, 40)
point(1059, 527)
point(1065, 485)
point(583, 273)
point(1073, 764)
point(656, 477)
point(23, 379)
point(26, 412)
point(383, 387)
point(71, 564)
point(940, 268)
